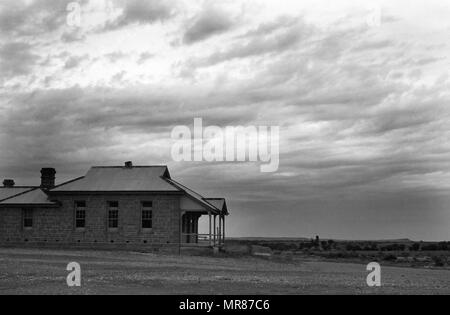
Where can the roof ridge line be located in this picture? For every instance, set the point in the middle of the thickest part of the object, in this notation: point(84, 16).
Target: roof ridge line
point(185, 187)
point(193, 191)
point(134, 166)
point(68, 182)
point(170, 180)
point(20, 187)
point(21, 193)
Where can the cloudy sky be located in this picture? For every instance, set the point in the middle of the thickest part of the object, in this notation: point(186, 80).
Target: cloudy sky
point(359, 89)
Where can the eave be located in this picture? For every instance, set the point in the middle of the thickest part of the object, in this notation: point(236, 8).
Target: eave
point(59, 193)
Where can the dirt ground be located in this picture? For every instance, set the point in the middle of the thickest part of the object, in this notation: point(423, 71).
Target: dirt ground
point(33, 271)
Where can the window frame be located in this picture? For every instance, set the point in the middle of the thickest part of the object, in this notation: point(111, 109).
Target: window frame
point(25, 213)
point(112, 209)
point(145, 209)
point(80, 218)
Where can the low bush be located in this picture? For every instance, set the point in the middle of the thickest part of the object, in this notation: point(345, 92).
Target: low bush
point(339, 255)
point(390, 257)
point(393, 247)
point(414, 247)
point(353, 247)
point(438, 261)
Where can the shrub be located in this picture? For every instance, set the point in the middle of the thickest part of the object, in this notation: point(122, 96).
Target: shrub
point(415, 247)
point(281, 246)
point(305, 246)
point(371, 247)
point(325, 245)
point(353, 247)
point(431, 247)
point(339, 255)
point(438, 261)
point(393, 247)
point(444, 245)
point(390, 257)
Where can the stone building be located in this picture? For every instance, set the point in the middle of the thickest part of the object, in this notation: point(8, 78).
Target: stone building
point(115, 207)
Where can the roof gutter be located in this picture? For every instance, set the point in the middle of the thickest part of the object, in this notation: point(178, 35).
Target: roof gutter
point(22, 205)
point(122, 192)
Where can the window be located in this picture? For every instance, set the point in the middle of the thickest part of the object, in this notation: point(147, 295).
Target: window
point(80, 214)
point(147, 214)
point(80, 204)
point(28, 218)
point(113, 214)
point(147, 204)
point(146, 219)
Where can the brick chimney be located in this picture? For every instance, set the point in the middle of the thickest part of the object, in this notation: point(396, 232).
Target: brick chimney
point(48, 178)
point(8, 183)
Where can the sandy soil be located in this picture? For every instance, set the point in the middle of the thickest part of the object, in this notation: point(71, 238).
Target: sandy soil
point(32, 271)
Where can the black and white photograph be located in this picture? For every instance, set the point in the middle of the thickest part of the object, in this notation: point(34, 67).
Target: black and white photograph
point(224, 153)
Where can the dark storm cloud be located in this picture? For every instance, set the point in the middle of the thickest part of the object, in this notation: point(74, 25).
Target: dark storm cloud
point(143, 57)
point(30, 18)
point(11, 17)
point(375, 45)
point(28, 22)
point(327, 162)
point(273, 42)
point(426, 61)
point(115, 56)
point(209, 23)
point(73, 35)
point(67, 128)
point(75, 61)
point(53, 124)
point(274, 38)
point(269, 27)
point(364, 113)
point(142, 12)
point(317, 173)
point(16, 58)
point(331, 46)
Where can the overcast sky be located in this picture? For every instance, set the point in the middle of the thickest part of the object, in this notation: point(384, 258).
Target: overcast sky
point(362, 103)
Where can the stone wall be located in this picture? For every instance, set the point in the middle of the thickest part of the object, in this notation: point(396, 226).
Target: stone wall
point(57, 225)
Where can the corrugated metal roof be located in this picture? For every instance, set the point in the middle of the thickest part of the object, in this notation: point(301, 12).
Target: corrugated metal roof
point(35, 196)
point(117, 179)
point(219, 203)
point(216, 204)
point(6, 192)
point(194, 195)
